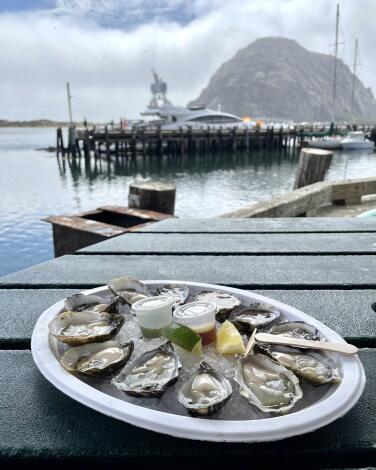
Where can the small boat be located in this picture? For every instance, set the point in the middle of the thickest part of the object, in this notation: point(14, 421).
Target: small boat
point(325, 143)
point(357, 140)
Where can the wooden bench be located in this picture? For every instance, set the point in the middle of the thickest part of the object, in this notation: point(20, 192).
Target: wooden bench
point(326, 268)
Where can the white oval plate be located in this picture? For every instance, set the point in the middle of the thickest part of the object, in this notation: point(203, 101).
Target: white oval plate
point(321, 413)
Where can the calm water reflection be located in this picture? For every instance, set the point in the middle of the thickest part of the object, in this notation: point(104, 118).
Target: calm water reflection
point(34, 184)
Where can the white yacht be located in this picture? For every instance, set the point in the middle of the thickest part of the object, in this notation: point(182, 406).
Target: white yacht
point(356, 140)
point(175, 117)
point(161, 112)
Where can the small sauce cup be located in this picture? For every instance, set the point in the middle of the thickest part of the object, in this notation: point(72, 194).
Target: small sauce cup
point(153, 314)
point(200, 317)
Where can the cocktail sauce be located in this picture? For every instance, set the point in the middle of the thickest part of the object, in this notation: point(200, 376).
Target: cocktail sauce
point(200, 317)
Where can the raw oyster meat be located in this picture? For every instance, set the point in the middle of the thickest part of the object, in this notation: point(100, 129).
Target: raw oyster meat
point(150, 374)
point(225, 302)
point(312, 366)
point(178, 293)
point(79, 302)
point(78, 328)
point(266, 384)
point(97, 359)
point(296, 329)
point(257, 315)
point(205, 391)
point(129, 290)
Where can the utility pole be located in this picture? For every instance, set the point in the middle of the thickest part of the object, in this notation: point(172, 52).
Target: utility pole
point(335, 64)
point(69, 104)
point(354, 78)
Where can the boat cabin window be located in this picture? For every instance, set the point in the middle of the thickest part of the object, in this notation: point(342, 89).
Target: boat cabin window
point(214, 119)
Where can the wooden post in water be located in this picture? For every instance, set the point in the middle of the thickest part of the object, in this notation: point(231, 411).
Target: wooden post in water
point(152, 195)
point(106, 142)
point(72, 141)
point(59, 142)
point(312, 167)
point(86, 144)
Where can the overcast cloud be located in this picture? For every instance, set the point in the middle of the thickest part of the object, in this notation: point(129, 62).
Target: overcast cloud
point(105, 48)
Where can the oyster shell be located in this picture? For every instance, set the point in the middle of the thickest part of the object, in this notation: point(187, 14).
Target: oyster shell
point(257, 315)
point(296, 329)
point(79, 302)
point(178, 293)
point(267, 384)
point(225, 302)
point(205, 391)
point(312, 366)
point(97, 359)
point(150, 374)
point(129, 290)
point(78, 328)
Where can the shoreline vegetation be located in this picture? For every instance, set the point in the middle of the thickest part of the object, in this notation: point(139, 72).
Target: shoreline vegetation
point(38, 123)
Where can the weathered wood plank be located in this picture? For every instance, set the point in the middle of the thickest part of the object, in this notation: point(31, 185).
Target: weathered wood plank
point(243, 271)
point(20, 309)
point(45, 424)
point(238, 243)
point(348, 312)
point(283, 225)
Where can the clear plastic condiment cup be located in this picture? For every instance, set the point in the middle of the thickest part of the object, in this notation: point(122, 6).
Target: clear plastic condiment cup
point(153, 314)
point(200, 317)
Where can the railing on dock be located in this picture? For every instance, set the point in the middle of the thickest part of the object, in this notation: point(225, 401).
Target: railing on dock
point(306, 201)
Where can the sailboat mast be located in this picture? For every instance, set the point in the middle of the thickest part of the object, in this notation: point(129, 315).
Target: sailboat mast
point(354, 78)
point(335, 64)
point(69, 97)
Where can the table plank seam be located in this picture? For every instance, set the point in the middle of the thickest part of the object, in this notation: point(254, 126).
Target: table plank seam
point(223, 232)
point(228, 253)
point(15, 344)
point(281, 286)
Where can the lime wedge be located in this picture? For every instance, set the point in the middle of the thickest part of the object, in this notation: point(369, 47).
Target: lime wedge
point(183, 337)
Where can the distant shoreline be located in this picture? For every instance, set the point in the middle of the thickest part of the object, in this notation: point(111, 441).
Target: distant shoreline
point(38, 123)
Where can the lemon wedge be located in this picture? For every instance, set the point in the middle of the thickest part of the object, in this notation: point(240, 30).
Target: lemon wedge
point(229, 340)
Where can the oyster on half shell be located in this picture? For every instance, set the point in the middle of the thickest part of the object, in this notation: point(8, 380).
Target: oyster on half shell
point(150, 374)
point(296, 329)
point(257, 315)
point(78, 328)
point(129, 290)
point(225, 302)
point(178, 293)
point(205, 391)
point(310, 365)
point(97, 359)
point(79, 302)
point(267, 384)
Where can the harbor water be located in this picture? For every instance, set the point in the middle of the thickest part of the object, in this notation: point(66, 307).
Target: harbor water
point(34, 185)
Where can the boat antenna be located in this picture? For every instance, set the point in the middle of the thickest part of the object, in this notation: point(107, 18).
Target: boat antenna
point(69, 96)
point(355, 65)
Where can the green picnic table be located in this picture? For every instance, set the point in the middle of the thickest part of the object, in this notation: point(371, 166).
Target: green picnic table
point(324, 267)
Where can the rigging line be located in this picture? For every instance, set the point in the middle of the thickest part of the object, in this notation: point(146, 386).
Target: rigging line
point(355, 65)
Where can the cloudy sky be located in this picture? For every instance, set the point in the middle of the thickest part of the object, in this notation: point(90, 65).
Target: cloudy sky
point(106, 48)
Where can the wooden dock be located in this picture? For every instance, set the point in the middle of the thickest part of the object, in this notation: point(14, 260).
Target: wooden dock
point(116, 142)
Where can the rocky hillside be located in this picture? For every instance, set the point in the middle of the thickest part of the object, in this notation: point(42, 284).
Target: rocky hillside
point(277, 78)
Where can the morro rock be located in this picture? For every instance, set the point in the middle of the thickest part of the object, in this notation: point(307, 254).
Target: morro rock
point(277, 78)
